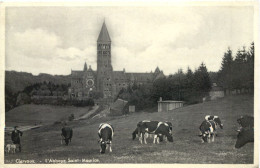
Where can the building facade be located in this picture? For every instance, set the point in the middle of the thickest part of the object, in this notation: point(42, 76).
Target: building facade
point(105, 81)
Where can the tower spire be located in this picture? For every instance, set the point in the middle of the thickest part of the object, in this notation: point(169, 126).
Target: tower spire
point(103, 35)
point(85, 67)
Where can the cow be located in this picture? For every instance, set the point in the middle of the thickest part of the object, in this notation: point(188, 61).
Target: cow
point(217, 121)
point(207, 130)
point(246, 121)
point(246, 131)
point(135, 133)
point(105, 133)
point(66, 134)
point(159, 129)
point(214, 118)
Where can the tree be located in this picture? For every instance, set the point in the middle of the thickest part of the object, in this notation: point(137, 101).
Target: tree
point(202, 82)
point(225, 75)
point(240, 70)
point(250, 63)
point(188, 80)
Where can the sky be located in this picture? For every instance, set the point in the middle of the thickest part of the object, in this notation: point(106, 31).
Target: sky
point(55, 40)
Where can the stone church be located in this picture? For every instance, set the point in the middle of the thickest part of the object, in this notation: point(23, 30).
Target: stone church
point(104, 80)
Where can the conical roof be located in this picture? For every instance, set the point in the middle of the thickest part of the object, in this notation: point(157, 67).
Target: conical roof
point(103, 35)
point(157, 70)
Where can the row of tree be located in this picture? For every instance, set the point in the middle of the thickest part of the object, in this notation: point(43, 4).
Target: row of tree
point(237, 73)
point(191, 87)
point(46, 89)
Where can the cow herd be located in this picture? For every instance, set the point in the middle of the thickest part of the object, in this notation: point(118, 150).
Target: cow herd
point(163, 131)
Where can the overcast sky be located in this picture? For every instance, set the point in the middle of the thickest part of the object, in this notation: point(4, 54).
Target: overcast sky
point(55, 40)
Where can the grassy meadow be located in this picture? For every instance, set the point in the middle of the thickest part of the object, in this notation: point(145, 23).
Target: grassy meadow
point(43, 143)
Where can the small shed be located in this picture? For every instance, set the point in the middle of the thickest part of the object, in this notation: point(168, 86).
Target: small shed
point(131, 109)
point(168, 105)
point(216, 92)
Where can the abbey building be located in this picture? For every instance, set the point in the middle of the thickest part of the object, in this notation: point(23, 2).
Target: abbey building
point(104, 81)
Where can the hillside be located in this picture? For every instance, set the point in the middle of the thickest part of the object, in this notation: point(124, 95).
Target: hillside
point(44, 114)
point(17, 81)
point(44, 143)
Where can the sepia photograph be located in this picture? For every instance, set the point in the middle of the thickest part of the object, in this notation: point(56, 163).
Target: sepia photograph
point(136, 84)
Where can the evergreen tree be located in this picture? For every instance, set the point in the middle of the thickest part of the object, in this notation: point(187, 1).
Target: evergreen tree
point(251, 58)
point(240, 70)
point(225, 72)
point(202, 82)
point(188, 80)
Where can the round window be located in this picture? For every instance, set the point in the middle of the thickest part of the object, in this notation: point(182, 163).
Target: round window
point(90, 82)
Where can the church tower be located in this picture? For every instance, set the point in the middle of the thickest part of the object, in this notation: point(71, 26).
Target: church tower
point(104, 66)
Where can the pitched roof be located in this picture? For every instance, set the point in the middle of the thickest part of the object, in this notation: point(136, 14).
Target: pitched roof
point(119, 75)
point(140, 76)
point(103, 35)
point(76, 74)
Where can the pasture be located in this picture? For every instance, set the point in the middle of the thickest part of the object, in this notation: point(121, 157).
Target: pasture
point(31, 114)
point(43, 144)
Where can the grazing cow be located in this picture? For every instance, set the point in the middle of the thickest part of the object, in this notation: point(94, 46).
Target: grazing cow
point(135, 133)
point(10, 148)
point(214, 118)
point(105, 133)
point(246, 121)
point(157, 128)
point(207, 129)
point(246, 131)
point(66, 134)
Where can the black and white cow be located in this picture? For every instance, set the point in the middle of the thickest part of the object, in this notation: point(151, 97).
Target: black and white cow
point(135, 133)
point(246, 131)
point(207, 129)
point(214, 118)
point(105, 133)
point(157, 128)
point(66, 134)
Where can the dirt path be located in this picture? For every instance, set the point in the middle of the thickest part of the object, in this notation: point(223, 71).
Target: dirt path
point(89, 113)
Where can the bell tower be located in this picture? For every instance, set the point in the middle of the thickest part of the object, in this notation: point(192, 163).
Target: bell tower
point(104, 66)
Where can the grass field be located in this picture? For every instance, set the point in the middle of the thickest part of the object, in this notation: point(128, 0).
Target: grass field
point(43, 144)
point(31, 114)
